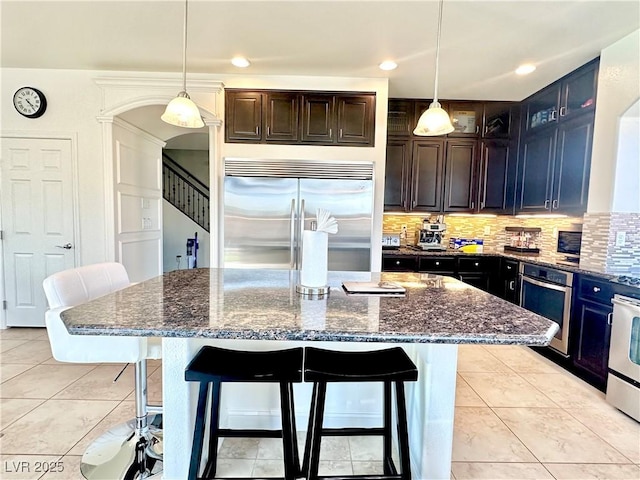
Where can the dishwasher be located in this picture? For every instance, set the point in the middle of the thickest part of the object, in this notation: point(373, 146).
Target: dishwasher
point(623, 381)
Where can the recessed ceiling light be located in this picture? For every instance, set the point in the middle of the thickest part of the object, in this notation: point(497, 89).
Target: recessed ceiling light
point(525, 69)
point(240, 62)
point(388, 65)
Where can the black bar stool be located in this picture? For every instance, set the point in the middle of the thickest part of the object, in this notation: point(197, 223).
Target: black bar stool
point(388, 366)
point(213, 366)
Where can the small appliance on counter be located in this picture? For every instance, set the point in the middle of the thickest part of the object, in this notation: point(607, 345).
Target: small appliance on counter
point(569, 242)
point(390, 241)
point(431, 235)
point(522, 240)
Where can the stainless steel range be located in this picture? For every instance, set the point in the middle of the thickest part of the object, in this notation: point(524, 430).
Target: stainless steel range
point(623, 382)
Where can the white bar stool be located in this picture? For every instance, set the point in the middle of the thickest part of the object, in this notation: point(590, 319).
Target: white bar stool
point(132, 449)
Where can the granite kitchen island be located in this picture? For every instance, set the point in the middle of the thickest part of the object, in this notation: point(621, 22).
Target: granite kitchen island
point(260, 309)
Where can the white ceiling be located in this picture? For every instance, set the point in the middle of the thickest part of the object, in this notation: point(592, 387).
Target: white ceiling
point(482, 41)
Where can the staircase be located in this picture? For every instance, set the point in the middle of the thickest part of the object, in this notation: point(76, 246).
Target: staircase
point(185, 192)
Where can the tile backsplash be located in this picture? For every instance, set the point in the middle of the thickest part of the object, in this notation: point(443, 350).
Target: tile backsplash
point(490, 229)
point(611, 243)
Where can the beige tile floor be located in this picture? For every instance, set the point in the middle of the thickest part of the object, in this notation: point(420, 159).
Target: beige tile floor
point(518, 416)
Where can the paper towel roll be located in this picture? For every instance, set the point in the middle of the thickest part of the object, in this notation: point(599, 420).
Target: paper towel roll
point(315, 246)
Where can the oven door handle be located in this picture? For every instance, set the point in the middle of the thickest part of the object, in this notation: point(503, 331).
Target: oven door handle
point(550, 286)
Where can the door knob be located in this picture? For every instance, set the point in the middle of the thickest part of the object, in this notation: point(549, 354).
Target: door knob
point(66, 246)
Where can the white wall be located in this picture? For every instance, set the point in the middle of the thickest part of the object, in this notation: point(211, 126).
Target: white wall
point(73, 104)
point(626, 194)
point(618, 90)
point(177, 228)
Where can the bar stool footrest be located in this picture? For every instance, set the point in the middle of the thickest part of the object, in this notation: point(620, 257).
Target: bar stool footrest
point(255, 433)
point(353, 431)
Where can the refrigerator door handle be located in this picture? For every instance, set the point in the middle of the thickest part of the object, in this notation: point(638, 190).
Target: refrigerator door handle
point(292, 224)
point(300, 230)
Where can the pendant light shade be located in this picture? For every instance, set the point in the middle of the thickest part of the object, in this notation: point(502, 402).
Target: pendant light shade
point(434, 120)
point(181, 111)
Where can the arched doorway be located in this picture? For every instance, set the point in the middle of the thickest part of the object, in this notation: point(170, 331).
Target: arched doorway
point(133, 139)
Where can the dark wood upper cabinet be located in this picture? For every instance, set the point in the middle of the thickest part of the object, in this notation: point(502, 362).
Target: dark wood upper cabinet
point(571, 96)
point(282, 113)
point(243, 116)
point(466, 118)
point(496, 176)
point(500, 120)
point(356, 119)
point(300, 117)
point(572, 165)
point(398, 167)
point(318, 118)
point(426, 178)
point(400, 118)
point(535, 171)
point(460, 176)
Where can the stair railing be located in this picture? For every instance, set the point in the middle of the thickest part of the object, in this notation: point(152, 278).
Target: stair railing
point(185, 192)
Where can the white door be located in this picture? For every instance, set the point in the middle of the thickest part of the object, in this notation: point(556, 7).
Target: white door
point(37, 221)
point(138, 201)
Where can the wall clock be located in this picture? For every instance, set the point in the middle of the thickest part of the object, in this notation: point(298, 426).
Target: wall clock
point(30, 102)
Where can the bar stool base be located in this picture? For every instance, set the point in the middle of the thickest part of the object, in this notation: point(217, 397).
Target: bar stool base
point(113, 455)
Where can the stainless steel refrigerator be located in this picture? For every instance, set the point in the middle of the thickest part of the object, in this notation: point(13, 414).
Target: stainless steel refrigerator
point(268, 203)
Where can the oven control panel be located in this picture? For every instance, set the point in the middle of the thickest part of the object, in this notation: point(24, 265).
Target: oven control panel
point(548, 274)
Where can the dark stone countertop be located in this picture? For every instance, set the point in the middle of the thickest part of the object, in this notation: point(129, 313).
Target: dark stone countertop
point(408, 251)
point(263, 304)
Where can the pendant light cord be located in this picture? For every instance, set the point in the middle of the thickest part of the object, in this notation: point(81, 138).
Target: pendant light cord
point(435, 92)
point(184, 49)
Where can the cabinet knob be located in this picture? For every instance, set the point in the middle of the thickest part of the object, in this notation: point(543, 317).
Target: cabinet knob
point(596, 289)
point(437, 263)
point(609, 318)
point(508, 267)
point(563, 111)
point(512, 285)
point(397, 262)
point(477, 264)
point(546, 204)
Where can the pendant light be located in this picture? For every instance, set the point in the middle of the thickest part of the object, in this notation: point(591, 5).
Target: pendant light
point(181, 111)
point(434, 121)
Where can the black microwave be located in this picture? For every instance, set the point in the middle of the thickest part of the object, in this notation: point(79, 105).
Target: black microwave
point(569, 243)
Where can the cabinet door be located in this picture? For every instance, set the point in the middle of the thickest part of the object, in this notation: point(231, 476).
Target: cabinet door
point(396, 175)
point(466, 118)
point(460, 175)
point(426, 184)
point(478, 280)
point(243, 116)
point(541, 109)
point(497, 176)
point(356, 123)
point(535, 171)
point(400, 120)
point(573, 165)
point(318, 114)
point(399, 263)
point(579, 91)
point(497, 119)
point(591, 337)
point(282, 111)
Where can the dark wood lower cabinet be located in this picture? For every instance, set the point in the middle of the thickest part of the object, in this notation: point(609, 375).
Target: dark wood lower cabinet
point(591, 334)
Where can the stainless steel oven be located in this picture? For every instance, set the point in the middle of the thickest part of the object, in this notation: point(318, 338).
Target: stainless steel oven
point(547, 292)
